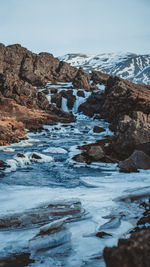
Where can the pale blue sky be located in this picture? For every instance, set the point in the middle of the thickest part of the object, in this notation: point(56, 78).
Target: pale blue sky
point(72, 26)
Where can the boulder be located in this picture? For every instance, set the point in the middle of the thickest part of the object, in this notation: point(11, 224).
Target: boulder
point(81, 93)
point(36, 156)
point(131, 252)
point(79, 158)
point(132, 133)
point(138, 160)
point(57, 98)
point(122, 97)
point(20, 155)
point(3, 165)
point(98, 129)
point(92, 105)
point(95, 152)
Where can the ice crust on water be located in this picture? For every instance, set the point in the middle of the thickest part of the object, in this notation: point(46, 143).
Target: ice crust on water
point(50, 241)
point(51, 235)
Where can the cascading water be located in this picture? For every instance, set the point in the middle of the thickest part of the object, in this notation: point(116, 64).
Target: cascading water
point(79, 100)
point(52, 207)
point(64, 106)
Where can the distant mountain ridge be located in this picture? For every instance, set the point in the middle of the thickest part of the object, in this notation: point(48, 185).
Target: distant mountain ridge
point(133, 67)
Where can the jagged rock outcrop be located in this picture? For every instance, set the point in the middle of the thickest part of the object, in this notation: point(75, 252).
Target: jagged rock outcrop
point(132, 133)
point(99, 77)
point(131, 252)
point(81, 80)
point(65, 72)
point(20, 71)
point(36, 69)
point(93, 104)
point(122, 97)
point(138, 160)
point(57, 98)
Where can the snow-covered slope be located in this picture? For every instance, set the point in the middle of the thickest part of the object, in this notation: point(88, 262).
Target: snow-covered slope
point(133, 67)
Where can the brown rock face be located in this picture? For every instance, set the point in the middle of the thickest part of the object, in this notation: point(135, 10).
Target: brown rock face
point(10, 130)
point(95, 152)
point(57, 98)
point(122, 98)
point(65, 72)
point(81, 80)
point(93, 104)
point(131, 132)
point(33, 68)
point(138, 160)
point(132, 252)
point(20, 70)
point(20, 102)
point(99, 77)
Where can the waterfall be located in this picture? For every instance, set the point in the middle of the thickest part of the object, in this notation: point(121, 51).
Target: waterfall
point(64, 105)
point(79, 100)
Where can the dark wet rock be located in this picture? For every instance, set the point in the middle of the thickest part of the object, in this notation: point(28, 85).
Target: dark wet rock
point(145, 147)
point(81, 80)
point(103, 234)
point(98, 151)
point(95, 152)
point(132, 133)
point(98, 129)
point(57, 98)
point(20, 155)
point(79, 158)
point(70, 98)
point(80, 93)
point(53, 90)
point(145, 220)
point(138, 160)
point(92, 105)
point(36, 156)
point(17, 260)
point(127, 166)
point(45, 91)
point(131, 252)
point(61, 116)
point(3, 165)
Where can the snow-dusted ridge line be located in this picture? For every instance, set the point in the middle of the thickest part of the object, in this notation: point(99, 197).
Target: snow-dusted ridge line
point(130, 66)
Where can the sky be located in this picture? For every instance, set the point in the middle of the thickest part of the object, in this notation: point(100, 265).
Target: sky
point(77, 26)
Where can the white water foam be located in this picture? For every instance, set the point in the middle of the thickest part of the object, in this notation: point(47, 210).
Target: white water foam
point(26, 159)
point(55, 150)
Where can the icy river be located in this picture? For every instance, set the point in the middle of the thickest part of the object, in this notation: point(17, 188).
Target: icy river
point(53, 207)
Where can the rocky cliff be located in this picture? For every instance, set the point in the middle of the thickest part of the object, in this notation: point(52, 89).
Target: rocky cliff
point(21, 73)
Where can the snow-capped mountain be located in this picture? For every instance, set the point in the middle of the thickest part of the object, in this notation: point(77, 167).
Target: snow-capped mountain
point(133, 67)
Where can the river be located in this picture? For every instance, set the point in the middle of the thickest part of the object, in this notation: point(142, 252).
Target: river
point(74, 201)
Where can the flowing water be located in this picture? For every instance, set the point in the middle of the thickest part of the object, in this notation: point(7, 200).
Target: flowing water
point(52, 206)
